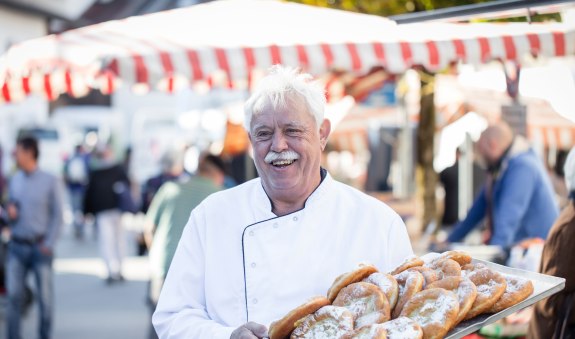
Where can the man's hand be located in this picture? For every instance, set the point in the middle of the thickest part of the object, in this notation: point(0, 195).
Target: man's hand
point(46, 250)
point(12, 211)
point(250, 330)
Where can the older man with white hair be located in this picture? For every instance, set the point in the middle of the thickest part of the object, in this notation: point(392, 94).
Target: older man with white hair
point(250, 254)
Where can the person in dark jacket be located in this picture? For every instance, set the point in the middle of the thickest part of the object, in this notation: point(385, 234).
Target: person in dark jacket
point(554, 317)
point(102, 199)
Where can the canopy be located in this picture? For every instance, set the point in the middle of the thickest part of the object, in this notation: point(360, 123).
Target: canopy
point(228, 42)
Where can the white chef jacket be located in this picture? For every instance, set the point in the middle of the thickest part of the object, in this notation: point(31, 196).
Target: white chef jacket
point(238, 262)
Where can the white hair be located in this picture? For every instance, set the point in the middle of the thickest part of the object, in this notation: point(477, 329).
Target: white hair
point(286, 83)
point(569, 170)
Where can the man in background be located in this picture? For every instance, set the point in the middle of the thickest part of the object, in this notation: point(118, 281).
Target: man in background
point(517, 199)
point(168, 214)
point(35, 213)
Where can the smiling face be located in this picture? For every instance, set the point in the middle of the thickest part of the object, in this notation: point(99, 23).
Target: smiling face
point(287, 147)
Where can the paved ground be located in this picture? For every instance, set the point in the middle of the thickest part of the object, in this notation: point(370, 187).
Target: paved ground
point(85, 306)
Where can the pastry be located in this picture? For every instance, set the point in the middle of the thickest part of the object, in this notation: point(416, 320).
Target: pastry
point(327, 322)
point(410, 282)
point(462, 258)
point(374, 331)
point(349, 278)
point(283, 327)
point(387, 284)
point(435, 310)
point(490, 287)
point(366, 302)
point(402, 328)
point(408, 263)
point(465, 290)
point(516, 291)
point(429, 275)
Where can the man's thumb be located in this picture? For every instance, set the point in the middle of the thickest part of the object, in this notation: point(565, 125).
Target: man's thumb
point(258, 330)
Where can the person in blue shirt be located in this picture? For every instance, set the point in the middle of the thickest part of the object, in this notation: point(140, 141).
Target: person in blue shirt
point(517, 200)
point(35, 214)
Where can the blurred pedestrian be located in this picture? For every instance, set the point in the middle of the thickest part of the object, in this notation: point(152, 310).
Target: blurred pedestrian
point(169, 213)
point(554, 317)
point(35, 212)
point(106, 183)
point(76, 177)
point(172, 169)
point(517, 199)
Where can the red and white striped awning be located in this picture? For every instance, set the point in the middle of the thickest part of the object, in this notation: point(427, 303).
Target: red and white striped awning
point(231, 42)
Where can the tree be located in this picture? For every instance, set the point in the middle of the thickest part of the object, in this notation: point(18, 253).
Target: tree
point(389, 7)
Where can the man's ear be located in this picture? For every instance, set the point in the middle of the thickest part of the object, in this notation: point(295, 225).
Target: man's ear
point(324, 131)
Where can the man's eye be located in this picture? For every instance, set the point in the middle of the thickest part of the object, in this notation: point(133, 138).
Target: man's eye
point(263, 134)
point(292, 131)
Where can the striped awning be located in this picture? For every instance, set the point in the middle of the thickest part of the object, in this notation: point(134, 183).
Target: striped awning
point(229, 43)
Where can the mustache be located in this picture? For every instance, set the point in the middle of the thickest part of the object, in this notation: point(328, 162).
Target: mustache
point(285, 155)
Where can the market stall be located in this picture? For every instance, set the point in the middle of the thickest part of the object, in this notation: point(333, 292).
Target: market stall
point(228, 42)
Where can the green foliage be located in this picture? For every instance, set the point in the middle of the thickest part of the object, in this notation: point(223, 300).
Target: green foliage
point(388, 7)
point(394, 7)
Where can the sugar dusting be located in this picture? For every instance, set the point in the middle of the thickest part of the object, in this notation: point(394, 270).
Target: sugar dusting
point(380, 280)
point(401, 328)
point(335, 322)
point(434, 311)
point(368, 332)
point(514, 284)
point(368, 319)
point(488, 288)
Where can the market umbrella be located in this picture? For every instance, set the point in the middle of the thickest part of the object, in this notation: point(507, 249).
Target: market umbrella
point(228, 42)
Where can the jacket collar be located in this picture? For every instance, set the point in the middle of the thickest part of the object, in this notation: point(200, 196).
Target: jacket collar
point(265, 204)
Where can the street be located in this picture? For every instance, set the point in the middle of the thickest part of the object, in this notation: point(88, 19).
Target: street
point(85, 306)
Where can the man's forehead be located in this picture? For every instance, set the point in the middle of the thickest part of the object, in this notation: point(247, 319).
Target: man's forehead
point(270, 121)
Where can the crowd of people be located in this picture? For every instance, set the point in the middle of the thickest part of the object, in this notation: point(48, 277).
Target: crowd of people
point(96, 186)
point(227, 259)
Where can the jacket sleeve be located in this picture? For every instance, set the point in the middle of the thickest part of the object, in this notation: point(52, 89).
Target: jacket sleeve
point(181, 310)
point(515, 192)
point(474, 216)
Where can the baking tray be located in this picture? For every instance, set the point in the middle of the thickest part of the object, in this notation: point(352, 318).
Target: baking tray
point(543, 286)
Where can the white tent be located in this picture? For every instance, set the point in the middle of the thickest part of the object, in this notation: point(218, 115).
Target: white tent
point(229, 42)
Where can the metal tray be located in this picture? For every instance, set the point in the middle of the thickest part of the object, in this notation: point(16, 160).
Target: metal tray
point(543, 286)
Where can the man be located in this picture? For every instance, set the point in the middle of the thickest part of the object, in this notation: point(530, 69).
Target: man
point(107, 181)
point(172, 163)
point(35, 212)
point(517, 199)
point(168, 214)
point(554, 317)
point(251, 253)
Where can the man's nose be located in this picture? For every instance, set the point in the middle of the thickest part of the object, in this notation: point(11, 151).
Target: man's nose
point(279, 142)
